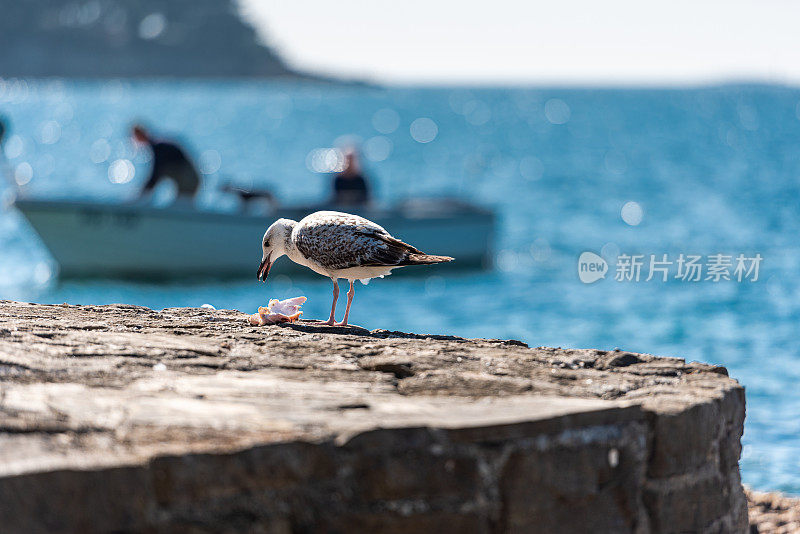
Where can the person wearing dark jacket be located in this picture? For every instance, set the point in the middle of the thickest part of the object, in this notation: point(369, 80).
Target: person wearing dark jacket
point(170, 163)
point(349, 186)
point(5, 168)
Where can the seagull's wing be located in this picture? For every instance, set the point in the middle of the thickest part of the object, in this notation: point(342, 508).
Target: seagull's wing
point(340, 241)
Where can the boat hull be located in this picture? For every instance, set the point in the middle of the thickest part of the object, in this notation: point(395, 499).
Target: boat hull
point(89, 239)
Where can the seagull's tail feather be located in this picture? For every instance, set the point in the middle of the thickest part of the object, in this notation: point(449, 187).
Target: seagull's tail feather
point(425, 259)
point(398, 253)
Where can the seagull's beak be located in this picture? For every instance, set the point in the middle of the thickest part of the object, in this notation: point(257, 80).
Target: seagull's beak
point(263, 269)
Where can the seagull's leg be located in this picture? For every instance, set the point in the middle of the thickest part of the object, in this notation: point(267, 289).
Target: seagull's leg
point(331, 319)
point(350, 294)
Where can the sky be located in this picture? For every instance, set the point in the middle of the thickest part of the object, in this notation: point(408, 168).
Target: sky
point(606, 42)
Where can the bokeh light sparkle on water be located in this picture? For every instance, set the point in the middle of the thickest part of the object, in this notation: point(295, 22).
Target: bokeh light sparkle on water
point(702, 171)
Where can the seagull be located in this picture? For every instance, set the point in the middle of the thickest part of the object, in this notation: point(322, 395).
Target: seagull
point(339, 245)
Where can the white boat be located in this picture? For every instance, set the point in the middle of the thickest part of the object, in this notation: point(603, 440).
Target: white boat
point(92, 239)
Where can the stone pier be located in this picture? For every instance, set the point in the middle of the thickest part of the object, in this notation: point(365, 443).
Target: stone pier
point(125, 419)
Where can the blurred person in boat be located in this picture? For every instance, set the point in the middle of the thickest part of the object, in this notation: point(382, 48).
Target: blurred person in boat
point(169, 163)
point(9, 192)
point(5, 167)
point(350, 186)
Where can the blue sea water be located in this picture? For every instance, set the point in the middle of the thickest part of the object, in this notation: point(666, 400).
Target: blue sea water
point(702, 171)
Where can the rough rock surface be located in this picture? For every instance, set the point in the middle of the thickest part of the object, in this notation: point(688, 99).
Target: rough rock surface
point(773, 513)
point(121, 418)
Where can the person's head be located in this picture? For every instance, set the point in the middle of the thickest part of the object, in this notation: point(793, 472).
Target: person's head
point(139, 134)
point(351, 164)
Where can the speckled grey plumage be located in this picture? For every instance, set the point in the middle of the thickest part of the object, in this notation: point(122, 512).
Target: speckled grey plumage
point(340, 241)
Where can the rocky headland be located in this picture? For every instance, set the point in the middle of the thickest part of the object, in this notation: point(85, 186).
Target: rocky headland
point(148, 38)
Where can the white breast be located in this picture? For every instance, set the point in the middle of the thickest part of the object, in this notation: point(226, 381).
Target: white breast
point(362, 273)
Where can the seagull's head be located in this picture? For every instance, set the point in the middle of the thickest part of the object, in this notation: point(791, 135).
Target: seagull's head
point(274, 245)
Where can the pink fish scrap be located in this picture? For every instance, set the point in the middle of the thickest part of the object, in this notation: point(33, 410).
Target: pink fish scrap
point(278, 311)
